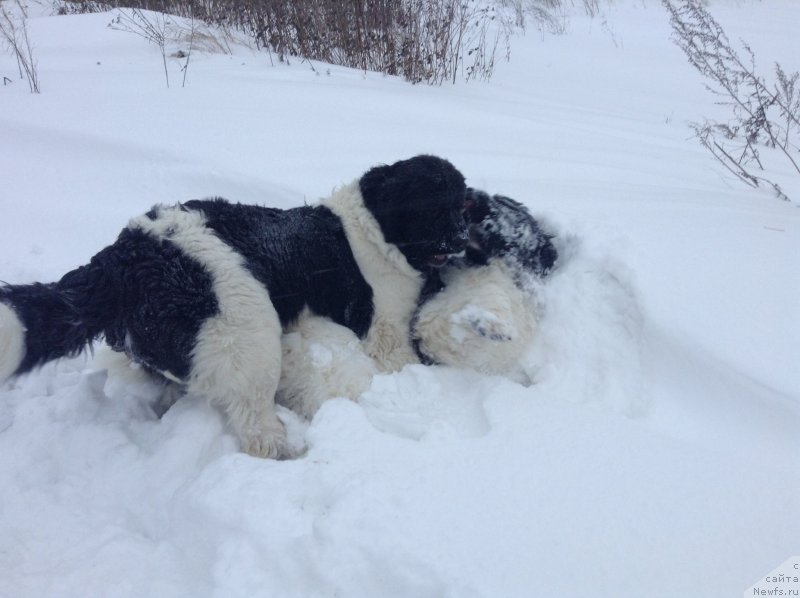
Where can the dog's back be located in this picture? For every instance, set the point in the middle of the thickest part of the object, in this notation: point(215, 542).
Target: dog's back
point(301, 255)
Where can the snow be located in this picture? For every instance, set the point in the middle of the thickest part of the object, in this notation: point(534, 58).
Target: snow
point(654, 455)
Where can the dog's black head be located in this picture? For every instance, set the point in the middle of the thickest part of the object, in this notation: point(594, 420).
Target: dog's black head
point(500, 226)
point(419, 205)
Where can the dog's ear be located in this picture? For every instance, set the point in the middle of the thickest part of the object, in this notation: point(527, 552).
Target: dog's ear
point(373, 183)
point(476, 205)
point(421, 178)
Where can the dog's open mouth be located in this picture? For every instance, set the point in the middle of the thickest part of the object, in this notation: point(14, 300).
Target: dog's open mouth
point(438, 260)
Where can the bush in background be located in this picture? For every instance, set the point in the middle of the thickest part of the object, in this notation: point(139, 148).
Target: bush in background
point(763, 112)
point(14, 32)
point(429, 41)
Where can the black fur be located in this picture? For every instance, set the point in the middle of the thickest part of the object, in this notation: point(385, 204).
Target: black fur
point(51, 322)
point(501, 227)
point(430, 188)
point(144, 295)
point(300, 269)
point(161, 298)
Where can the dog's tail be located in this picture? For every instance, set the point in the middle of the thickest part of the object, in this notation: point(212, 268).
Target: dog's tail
point(42, 322)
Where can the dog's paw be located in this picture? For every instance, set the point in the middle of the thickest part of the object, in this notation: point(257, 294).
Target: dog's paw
point(270, 444)
point(484, 324)
point(494, 330)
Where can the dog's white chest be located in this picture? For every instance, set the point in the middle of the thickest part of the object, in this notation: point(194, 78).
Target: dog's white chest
point(395, 284)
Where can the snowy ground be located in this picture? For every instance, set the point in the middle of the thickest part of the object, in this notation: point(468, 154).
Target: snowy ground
point(657, 453)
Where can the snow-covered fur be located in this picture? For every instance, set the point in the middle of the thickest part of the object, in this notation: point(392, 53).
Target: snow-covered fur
point(200, 293)
point(479, 312)
point(502, 228)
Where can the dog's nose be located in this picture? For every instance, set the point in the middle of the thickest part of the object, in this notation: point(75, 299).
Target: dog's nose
point(459, 243)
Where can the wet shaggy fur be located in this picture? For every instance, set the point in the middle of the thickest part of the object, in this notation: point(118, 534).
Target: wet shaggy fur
point(502, 228)
point(200, 293)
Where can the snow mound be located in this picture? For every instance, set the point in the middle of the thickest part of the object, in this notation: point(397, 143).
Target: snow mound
point(588, 347)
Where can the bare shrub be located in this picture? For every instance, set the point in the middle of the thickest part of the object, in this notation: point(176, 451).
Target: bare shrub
point(205, 38)
point(431, 41)
point(74, 7)
point(14, 32)
point(420, 40)
point(161, 29)
point(763, 113)
point(549, 16)
point(191, 38)
point(154, 27)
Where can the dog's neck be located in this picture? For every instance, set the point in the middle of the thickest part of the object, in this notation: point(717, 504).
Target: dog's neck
point(395, 284)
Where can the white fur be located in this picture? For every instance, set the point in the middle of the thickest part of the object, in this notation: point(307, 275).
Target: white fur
point(12, 341)
point(481, 320)
point(321, 360)
point(237, 354)
point(395, 284)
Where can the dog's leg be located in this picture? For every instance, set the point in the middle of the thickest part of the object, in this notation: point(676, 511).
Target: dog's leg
point(236, 360)
point(237, 366)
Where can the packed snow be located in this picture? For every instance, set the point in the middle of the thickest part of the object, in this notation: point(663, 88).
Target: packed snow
point(654, 454)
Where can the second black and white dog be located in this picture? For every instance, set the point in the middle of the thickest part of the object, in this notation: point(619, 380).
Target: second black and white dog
point(201, 292)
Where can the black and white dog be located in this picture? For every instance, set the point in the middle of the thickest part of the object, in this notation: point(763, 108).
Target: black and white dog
point(201, 292)
point(479, 311)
